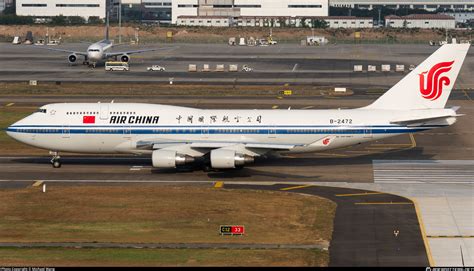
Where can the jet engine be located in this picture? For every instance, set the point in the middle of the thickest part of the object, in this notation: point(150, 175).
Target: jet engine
point(124, 58)
point(169, 159)
point(221, 158)
point(72, 58)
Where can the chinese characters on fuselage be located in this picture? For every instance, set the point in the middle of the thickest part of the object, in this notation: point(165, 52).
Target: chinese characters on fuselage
point(218, 119)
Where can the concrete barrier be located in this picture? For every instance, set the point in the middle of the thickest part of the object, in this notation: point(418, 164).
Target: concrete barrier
point(371, 68)
point(206, 68)
point(385, 68)
point(192, 68)
point(220, 68)
point(233, 67)
point(358, 68)
point(400, 68)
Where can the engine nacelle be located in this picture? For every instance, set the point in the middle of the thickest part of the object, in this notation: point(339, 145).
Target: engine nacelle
point(124, 58)
point(229, 159)
point(72, 58)
point(169, 159)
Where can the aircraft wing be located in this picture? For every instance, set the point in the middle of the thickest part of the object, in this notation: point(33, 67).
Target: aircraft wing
point(63, 50)
point(112, 54)
point(158, 144)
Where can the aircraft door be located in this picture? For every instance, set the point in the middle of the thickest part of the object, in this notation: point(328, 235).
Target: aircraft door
point(205, 131)
point(127, 132)
point(104, 111)
point(65, 131)
point(271, 132)
point(368, 132)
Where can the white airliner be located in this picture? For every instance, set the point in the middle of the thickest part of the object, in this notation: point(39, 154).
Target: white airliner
point(98, 51)
point(227, 138)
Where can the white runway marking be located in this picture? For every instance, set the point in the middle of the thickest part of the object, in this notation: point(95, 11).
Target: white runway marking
point(294, 67)
point(424, 171)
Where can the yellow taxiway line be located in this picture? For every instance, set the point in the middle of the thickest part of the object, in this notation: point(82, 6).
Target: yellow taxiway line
point(413, 141)
point(37, 183)
point(423, 232)
point(296, 187)
point(359, 194)
point(450, 236)
point(383, 203)
point(10, 104)
point(218, 184)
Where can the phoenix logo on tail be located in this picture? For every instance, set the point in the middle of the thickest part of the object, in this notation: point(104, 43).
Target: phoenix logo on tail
point(434, 83)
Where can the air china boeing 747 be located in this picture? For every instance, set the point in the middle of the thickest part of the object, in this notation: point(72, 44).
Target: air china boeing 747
point(175, 136)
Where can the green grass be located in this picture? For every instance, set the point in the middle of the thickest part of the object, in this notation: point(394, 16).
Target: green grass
point(149, 213)
point(161, 257)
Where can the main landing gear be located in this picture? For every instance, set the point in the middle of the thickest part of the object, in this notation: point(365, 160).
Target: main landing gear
point(55, 161)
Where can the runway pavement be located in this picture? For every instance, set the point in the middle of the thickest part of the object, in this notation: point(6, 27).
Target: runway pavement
point(330, 65)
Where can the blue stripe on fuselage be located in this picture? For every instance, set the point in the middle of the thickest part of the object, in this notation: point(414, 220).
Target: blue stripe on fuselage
point(224, 130)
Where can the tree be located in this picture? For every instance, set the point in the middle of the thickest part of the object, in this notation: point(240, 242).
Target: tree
point(11, 19)
point(94, 20)
point(303, 22)
point(58, 20)
point(320, 24)
point(405, 24)
point(75, 20)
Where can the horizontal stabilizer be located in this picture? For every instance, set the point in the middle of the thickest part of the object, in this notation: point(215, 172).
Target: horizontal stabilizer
point(423, 120)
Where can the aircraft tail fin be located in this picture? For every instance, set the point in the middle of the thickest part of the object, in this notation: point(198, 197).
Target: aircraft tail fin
point(429, 84)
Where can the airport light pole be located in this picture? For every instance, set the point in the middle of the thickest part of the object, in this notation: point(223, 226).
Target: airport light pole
point(120, 21)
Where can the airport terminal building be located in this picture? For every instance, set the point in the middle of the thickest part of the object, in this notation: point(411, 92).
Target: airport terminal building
point(49, 8)
point(430, 5)
point(248, 8)
point(421, 21)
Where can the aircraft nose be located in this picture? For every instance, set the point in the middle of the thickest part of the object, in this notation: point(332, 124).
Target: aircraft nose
point(13, 130)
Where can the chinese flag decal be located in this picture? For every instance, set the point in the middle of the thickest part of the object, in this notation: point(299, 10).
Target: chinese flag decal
point(88, 119)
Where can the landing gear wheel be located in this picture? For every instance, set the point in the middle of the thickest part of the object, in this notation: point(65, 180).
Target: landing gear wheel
point(55, 161)
point(56, 164)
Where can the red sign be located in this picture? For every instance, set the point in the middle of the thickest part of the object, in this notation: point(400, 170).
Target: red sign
point(434, 80)
point(237, 229)
point(88, 119)
point(326, 141)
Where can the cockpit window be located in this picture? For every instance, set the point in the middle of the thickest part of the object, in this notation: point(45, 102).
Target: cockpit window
point(41, 110)
point(94, 50)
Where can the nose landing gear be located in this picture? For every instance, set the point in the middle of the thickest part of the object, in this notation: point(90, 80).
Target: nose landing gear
point(55, 161)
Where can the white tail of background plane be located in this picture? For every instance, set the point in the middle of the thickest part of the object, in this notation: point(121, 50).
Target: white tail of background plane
point(429, 84)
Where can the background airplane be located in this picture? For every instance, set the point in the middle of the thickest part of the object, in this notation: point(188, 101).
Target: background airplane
point(176, 136)
point(99, 51)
